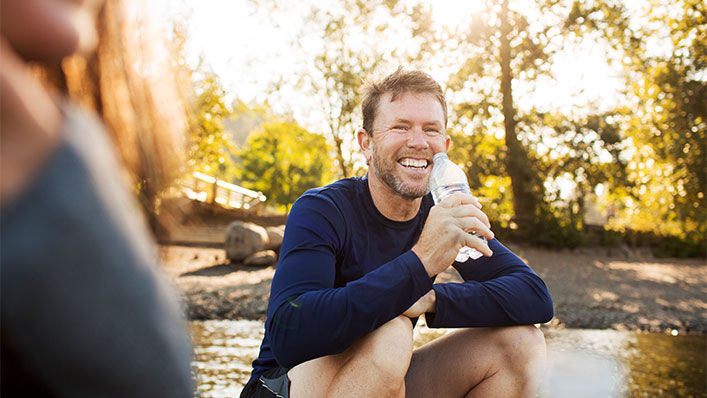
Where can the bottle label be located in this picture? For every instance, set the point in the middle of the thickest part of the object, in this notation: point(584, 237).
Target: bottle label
point(443, 191)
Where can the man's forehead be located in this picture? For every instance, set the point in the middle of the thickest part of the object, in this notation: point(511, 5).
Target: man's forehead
point(397, 96)
point(393, 100)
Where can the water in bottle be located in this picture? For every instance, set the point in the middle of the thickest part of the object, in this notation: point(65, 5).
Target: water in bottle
point(445, 179)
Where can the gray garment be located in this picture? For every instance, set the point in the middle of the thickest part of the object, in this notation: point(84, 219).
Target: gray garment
point(84, 311)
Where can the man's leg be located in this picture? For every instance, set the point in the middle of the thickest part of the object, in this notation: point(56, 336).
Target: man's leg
point(374, 366)
point(485, 362)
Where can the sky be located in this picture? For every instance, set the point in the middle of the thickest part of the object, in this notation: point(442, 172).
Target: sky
point(247, 50)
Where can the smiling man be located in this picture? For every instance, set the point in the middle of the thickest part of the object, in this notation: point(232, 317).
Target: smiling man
point(358, 264)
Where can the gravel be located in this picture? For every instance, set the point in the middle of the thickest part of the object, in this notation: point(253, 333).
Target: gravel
point(591, 287)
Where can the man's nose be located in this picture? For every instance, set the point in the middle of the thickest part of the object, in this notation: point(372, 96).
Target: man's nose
point(417, 139)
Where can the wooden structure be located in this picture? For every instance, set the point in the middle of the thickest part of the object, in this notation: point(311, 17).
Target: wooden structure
point(205, 188)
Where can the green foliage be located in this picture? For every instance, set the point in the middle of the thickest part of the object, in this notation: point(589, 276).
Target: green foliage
point(673, 246)
point(210, 148)
point(357, 39)
point(283, 160)
point(244, 119)
point(649, 155)
point(495, 195)
point(482, 159)
point(611, 238)
point(646, 157)
point(585, 150)
point(553, 229)
point(483, 155)
point(501, 46)
point(668, 128)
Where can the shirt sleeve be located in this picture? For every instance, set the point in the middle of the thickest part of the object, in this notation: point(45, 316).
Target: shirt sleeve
point(307, 316)
point(501, 290)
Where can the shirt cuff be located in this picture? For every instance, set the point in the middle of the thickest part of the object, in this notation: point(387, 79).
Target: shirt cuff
point(422, 282)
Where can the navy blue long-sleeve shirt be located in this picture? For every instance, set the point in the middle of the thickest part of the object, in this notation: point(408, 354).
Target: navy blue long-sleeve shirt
point(345, 270)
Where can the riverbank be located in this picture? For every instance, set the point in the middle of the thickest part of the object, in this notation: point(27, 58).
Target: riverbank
point(590, 288)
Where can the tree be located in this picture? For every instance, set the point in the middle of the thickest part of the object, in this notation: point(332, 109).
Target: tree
point(669, 124)
point(482, 157)
point(283, 160)
point(499, 46)
point(355, 40)
point(507, 46)
point(663, 52)
point(210, 149)
point(591, 154)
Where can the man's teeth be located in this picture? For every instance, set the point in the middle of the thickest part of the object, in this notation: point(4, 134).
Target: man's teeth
point(420, 163)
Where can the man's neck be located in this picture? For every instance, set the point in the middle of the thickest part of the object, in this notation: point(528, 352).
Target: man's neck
point(389, 203)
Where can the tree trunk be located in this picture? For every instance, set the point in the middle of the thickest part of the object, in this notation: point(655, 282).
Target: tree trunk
point(517, 164)
point(343, 166)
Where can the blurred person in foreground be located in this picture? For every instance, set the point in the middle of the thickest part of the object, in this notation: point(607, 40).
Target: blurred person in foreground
point(84, 311)
point(358, 264)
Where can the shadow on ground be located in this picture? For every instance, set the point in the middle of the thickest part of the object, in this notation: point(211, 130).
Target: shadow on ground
point(220, 270)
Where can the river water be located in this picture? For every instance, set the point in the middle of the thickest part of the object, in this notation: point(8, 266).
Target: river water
point(581, 362)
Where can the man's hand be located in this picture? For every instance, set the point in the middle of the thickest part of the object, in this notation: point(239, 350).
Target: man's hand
point(426, 303)
point(447, 230)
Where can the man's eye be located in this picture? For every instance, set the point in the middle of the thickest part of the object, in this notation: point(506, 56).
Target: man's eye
point(404, 128)
point(432, 131)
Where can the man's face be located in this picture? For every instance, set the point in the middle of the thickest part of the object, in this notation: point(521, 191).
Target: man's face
point(406, 134)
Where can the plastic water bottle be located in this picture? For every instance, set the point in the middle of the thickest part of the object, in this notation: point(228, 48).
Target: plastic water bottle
point(445, 179)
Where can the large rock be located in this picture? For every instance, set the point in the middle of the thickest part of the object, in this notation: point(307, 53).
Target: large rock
point(263, 258)
point(244, 239)
point(275, 235)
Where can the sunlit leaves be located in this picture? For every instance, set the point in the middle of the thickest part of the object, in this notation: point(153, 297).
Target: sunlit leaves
point(283, 160)
point(343, 43)
point(210, 148)
point(668, 127)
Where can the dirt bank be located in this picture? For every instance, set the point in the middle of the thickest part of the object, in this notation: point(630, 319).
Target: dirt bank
point(589, 288)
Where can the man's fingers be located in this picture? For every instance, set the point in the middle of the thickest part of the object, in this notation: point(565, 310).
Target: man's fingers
point(478, 244)
point(473, 224)
point(460, 198)
point(471, 211)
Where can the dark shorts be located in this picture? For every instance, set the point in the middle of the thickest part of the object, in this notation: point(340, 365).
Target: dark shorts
point(272, 383)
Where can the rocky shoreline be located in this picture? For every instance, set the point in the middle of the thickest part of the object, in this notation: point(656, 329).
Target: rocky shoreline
point(590, 289)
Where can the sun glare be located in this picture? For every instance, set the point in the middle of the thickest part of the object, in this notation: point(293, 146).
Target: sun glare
point(247, 53)
point(453, 13)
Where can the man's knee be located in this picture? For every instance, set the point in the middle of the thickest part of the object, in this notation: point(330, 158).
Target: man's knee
point(389, 348)
point(380, 358)
point(522, 347)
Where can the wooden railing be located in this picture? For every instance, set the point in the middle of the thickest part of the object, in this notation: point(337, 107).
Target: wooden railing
point(205, 188)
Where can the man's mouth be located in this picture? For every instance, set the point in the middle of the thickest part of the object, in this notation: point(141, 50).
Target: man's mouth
point(419, 164)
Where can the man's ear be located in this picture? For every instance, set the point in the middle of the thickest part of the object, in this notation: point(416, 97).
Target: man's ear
point(364, 141)
point(448, 142)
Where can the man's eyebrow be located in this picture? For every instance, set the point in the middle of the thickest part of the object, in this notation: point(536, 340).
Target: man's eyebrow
point(434, 123)
point(404, 121)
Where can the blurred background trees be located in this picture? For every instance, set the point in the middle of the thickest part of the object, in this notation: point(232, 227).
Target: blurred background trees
point(625, 168)
point(354, 39)
point(282, 160)
point(210, 148)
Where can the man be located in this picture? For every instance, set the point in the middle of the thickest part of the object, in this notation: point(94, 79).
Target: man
point(358, 262)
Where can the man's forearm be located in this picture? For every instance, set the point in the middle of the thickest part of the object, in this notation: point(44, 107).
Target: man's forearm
point(324, 321)
point(519, 299)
